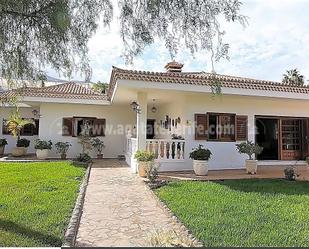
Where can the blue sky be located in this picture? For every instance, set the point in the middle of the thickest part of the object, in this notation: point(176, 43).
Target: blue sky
point(275, 40)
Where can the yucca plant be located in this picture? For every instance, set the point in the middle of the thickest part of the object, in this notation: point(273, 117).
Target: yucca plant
point(16, 123)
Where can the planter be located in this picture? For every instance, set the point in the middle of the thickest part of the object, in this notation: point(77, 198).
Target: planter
point(251, 166)
point(42, 154)
point(18, 151)
point(25, 150)
point(100, 156)
point(200, 167)
point(63, 156)
point(142, 168)
point(2, 150)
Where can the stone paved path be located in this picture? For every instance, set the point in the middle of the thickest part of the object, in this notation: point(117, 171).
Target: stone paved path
point(119, 210)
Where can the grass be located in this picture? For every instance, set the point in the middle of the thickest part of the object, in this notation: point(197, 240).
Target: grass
point(36, 201)
point(242, 212)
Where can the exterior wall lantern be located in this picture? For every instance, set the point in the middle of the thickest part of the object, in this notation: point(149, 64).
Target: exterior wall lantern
point(135, 107)
point(154, 109)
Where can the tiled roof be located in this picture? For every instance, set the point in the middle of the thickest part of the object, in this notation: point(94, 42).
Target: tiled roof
point(202, 79)
point(69, 90)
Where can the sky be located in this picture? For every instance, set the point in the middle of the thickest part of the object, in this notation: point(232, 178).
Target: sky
point(275, 40)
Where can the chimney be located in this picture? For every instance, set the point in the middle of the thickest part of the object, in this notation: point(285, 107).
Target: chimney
point(174, 67)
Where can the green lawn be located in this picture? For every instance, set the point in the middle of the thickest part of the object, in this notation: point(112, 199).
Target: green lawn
point(242, 212)
point(36, 201)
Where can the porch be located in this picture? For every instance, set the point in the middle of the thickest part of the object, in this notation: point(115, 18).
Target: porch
point(168, 152)
point(264, 172)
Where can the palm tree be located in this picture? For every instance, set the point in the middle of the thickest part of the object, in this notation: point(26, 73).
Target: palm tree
point(16, 123)
point(293, 78)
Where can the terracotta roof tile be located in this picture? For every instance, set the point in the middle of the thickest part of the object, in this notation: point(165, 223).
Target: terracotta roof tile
point(69, 90)
point(202, 79)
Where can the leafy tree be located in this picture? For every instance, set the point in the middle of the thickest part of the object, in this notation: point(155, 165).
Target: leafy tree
point(100, 87)
point(54, 33)
point(16, 123)
point(293, 78)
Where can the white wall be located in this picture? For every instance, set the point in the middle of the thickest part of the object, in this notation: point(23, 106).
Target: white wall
point(225, 155)
point(25, 113)
point(117, 117)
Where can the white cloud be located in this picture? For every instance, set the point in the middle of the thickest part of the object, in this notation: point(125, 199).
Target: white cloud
point(275, 40)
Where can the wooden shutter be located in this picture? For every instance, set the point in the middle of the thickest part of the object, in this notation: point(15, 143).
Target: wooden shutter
point(305, 140)
point(241, 128)
point(67, 127)
point(201, 127)
point(99, 127)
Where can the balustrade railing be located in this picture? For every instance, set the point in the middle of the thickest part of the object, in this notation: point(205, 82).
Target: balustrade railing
point(166, 149)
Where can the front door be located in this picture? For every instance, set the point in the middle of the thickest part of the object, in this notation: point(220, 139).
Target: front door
point(291, 139)
point(150, 128)
point(267, 130)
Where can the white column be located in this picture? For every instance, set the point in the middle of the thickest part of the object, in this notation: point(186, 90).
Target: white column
point(141, 127)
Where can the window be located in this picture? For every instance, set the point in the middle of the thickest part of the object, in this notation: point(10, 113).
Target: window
point(27, 130)
point(75, 126)
point(221, 127)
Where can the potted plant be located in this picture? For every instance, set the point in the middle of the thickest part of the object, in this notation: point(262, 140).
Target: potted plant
point(23, 144)
point(62, 149)
point(99, 146)
point(200, 158)
point(14, 125)
point(3, 143)
point(250, 149)
point(42, 148)
point(144, 160)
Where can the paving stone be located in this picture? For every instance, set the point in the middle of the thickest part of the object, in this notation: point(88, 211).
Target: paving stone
point(118, 209)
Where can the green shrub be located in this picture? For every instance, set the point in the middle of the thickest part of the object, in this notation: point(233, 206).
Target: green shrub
point(249, 148)
point(200, 153)
point(144, 156)
point(290, 174)
point(42, 145)
point(62, 147)
point(23, 142)
point(3, 142)
point(152, 171)
point(84, 158)
point(98, 145)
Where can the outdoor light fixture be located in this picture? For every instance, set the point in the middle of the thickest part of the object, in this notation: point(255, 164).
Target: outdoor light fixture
point(135, 107)
point(154, 109)
point(35, 112)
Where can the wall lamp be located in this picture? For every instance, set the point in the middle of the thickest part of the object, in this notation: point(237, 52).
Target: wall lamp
point(135, 107)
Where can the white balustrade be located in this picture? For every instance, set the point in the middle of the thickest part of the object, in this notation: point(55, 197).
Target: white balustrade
point(166, 149)
point(131, 146)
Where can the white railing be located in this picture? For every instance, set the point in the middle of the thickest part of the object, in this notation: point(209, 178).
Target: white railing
point(167, 149)
point(131, 146)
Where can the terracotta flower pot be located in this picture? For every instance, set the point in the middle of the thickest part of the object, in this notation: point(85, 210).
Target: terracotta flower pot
point(142, 166)
point(200, 167)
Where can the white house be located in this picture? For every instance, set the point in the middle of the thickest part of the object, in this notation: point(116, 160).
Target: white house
point(173, 102)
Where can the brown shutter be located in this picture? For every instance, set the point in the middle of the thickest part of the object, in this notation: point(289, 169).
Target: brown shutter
point(241, 128)
point(99, 127)
point(67, 127)
point(305, 140)
point(201, 129)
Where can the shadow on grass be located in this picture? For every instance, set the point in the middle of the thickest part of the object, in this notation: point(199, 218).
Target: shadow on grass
point(268, 186)
point(45, 239)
